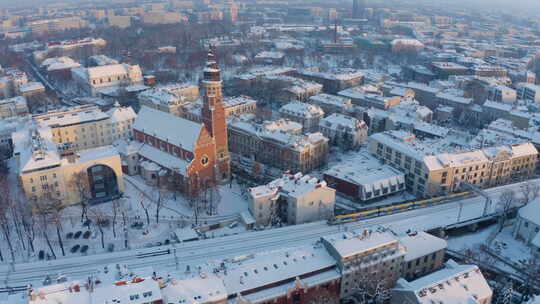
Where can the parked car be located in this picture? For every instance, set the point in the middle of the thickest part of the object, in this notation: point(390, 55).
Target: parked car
point(75, 248)
point(110, 247)
point(84, 249)
point(41, 254)
point(77, 234)
point(87, 234)
point(69, 235)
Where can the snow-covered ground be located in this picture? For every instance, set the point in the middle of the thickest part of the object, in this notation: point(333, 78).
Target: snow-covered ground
point(504, 244)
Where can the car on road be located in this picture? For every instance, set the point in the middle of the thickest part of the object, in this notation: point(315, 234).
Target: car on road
point(87, 234)
point(75, 248)
point(77, 234)
point(84, 249)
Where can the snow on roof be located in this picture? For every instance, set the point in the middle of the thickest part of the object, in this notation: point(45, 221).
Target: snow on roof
point(32, 86)
point(168, 127)
point(455, 284)
point(368, 171)
point(302, 109)
point(102, 60)
point(120, 114)
point(271, 55)
point(338, 121)
point(35, 148)
point(160, 96)
point(529, 86)
point(431, 129)
point(296, 185)
point(497, 105)
point(531, 211)
point(146, 291)
point(264, 270)
point(59, 63)
point(349, 244)
point(327, 99)
point(421, 244)
point(71, 116)
point(202, 289)
point(164, 159)
point(264, 71)
point(343, 74)
point(237, 100)
point(454, 98)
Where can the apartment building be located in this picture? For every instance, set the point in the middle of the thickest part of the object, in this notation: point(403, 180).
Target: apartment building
point(13, 107)
point(239, 105)
point(331, 104)
point(271, 144)
point(528, 91)
point(85, 127)
point(434, 167)
point(306, 114)
point(92, 80)
point(461, 283)
point(292, 199)
point(161, 100)
point(51, 170)
point(56, 25)
point(501, 93)
point(334, 82)
point(344, 131)
point(11, 80)
point(421, 260)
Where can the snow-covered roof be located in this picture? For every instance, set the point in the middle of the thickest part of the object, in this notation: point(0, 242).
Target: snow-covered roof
point(168, 127)
point(160, 96)
point(296, 185)
point(327, 99)
point(531, 211)
point(497, 105)
point(163, 159)
point(264, 71)
point(59, 63)
point(343, 74)
point(274, 267)
point(71, 116)
point(349, 244)
point(367, 171)
point(270, 55)
point(302, 109)
point(420, 244)
point(237, 100)
point(455, 284)
point(121, 114)
point(338, 121)
point(146, 291)
point(202, 289)
point(31, 86)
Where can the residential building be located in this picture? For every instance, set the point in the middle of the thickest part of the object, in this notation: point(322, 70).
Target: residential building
point(364, 178)
point(331, 104)
point(12, 107)
point(460, 283)
point(292, 199)
point(161, 100)
point(502, 94)
point(528, 91)
point(365, 257)
point(424, 254)
point(271, 144)
point(92, 80)
point(119, 21)
point(190, 155)
point(334, 82)
point(48, 170)
point(56, 25)
point(344, 131)
point(433, 167)
point(11, 80)
point(32, 90)
point(239, 105)
point(366, 97)
point(85, 127)
point(308, 115)
point(527, 226)
point(445, 69)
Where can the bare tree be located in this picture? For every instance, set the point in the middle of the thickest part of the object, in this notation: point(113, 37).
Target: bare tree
point(43, 212)
point(505, 204)
point(56, 210)
point(529, 191)
point(99, 218)
point(28, 221)
point(79, 183)
point(160, 203)
point(6, 204)
point(145, 205)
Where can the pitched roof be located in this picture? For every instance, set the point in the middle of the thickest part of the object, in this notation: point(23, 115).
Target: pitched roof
point(168, 127)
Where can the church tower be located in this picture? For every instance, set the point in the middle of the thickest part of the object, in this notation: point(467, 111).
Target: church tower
point(213, 114)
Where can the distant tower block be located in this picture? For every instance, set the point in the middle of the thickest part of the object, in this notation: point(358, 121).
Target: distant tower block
point(359, 8)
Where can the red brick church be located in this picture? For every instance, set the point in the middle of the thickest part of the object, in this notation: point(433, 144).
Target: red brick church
point(188, 154)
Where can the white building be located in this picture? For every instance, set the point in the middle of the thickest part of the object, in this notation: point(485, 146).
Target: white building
point(455, 284)
point(11, 81)
point(304, 113)
point(162, 100)
point(502, 93)
point(59, 63)
point(527, 226)
point(12, 107)
point(295, 199)
point(365, 178)
point(101, 78)
point(344, 131)
point(332, 104)
point(528, 91)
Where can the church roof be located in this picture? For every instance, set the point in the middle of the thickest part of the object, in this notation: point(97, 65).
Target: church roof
point(168, 127)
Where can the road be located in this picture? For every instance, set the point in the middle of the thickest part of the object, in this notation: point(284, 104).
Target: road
point(198, 252)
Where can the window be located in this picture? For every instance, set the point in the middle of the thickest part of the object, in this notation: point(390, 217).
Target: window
point(134, 297)
point(43, 178)
point(147, 294)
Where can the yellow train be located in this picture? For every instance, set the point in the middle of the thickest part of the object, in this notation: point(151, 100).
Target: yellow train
point(396, 208)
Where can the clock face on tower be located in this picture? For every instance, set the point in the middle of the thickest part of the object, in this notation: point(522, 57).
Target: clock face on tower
point(204, 160)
